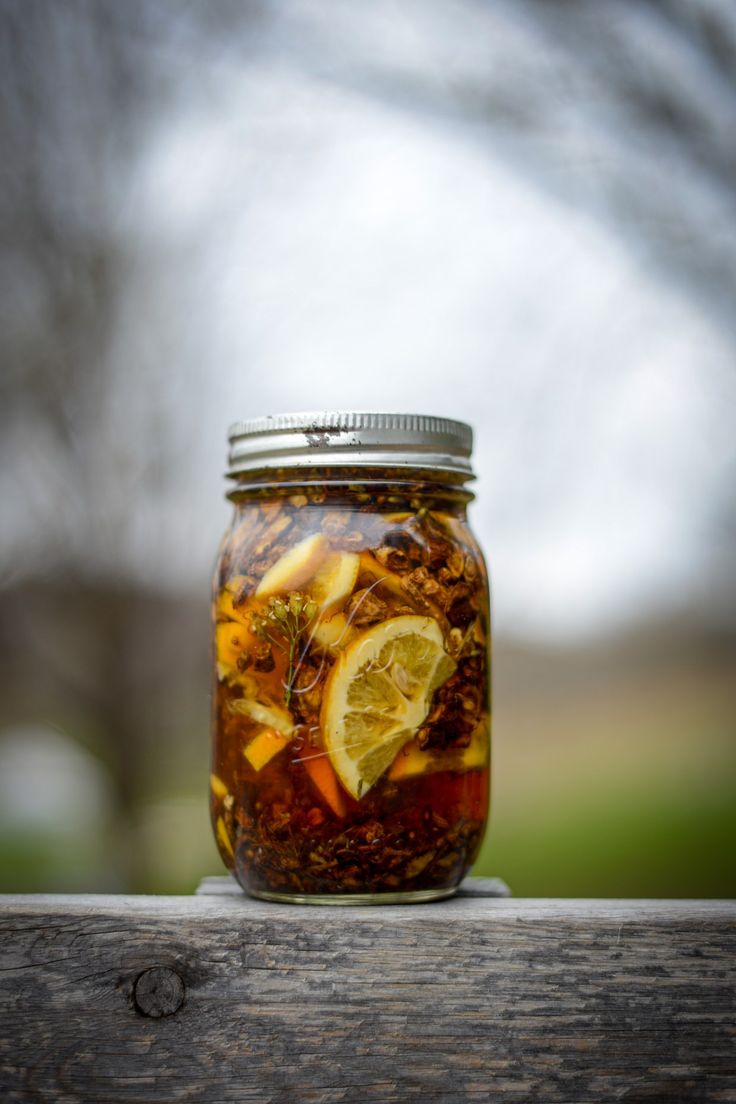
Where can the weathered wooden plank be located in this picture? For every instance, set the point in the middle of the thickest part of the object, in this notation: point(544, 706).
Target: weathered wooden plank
point(220, 998)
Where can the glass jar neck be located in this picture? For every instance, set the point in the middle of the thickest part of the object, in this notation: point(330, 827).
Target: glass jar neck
point(389, 489)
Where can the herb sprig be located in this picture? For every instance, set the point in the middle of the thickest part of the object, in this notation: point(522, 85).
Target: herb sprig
point(284, 622)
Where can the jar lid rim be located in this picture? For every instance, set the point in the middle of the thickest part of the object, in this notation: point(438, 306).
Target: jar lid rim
point(343, 438)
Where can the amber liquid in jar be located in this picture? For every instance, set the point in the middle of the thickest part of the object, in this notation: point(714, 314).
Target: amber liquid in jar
point(351, 709)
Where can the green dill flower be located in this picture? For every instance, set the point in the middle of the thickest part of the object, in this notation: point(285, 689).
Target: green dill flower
point(284, 621)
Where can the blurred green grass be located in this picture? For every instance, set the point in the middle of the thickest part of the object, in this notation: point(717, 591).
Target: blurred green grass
point(669, 843)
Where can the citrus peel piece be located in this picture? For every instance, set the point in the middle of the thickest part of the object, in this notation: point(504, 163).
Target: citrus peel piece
point(232, 638)
point(262, 748)
point(413, 760)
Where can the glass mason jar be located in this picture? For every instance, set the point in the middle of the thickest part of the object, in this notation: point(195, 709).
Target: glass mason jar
point(351, 708)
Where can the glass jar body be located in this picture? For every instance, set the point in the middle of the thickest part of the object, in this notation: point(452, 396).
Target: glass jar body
point(351, 703)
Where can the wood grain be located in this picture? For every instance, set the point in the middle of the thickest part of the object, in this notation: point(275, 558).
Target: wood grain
point(476, 997)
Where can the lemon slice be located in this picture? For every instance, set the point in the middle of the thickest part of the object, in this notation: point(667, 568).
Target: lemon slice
point(294, 568)
point(334, 580)
point(377, 695)
point(334, 632)
point(273, 716)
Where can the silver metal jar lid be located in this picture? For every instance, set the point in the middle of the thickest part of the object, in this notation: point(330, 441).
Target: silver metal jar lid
point(341, 438)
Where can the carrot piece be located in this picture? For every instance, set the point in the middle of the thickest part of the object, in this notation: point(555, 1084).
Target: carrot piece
point(320, 771)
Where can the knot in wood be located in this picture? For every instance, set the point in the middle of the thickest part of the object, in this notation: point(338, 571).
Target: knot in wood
point(158, 992)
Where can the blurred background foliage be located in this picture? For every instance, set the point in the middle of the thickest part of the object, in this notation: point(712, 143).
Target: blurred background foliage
point(521, 214)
